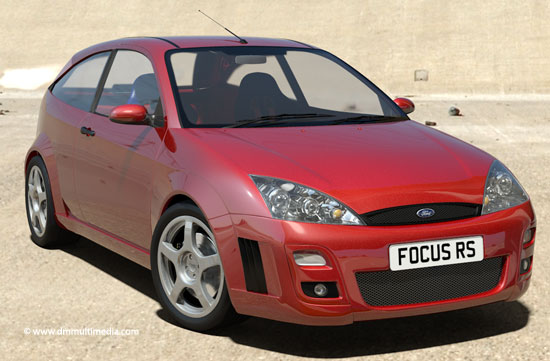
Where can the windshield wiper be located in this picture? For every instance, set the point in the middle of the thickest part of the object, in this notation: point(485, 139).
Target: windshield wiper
point(366, 119)
point(275, 119)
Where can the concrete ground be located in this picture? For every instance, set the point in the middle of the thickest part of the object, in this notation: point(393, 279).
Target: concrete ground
point(86, 286)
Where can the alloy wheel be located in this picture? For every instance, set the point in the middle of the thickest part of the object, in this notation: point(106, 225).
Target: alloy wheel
point(37, 201)
point(189, 266)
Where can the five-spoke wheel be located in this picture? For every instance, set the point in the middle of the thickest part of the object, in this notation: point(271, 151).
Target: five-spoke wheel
point(37, 200)
point(189, 266)
point(45, 231)
point(187, 270)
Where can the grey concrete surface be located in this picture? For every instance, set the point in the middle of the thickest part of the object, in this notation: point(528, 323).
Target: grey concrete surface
point(467, 46)
point(84, 285)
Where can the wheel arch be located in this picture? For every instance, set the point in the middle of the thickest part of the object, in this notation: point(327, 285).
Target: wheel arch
point(188, 188)
point(177, 198)
point(30, 155)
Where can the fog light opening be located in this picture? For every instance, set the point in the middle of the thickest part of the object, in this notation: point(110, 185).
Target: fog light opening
point(525, 265)
point(309, 258)
point(320, 290)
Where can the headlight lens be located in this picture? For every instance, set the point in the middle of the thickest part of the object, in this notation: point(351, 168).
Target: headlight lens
point(502, 190)
point(294, 202)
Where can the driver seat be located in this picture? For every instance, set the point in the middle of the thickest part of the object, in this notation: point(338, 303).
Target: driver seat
point(145, 92)
point(259, 95)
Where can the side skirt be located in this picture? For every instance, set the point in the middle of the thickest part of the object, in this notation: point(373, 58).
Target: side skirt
point(123, 247)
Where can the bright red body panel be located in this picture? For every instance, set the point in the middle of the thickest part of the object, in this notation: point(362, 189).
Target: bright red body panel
point(114, 186)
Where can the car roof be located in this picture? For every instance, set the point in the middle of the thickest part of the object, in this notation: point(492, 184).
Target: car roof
point(161, 44)
point(213, 41)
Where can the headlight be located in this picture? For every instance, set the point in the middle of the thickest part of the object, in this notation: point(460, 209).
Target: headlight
point(294, 202)
point(502, 190)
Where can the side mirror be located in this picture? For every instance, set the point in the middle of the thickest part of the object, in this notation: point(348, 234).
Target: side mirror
point(405, 104)
point(130, 114)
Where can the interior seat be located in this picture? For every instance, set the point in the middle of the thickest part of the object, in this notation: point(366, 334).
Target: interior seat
point(212, 100)
point(145, 92)
point(259, 95)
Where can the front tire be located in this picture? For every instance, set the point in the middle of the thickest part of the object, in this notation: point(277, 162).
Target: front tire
point(187, 270)
point(45, 232)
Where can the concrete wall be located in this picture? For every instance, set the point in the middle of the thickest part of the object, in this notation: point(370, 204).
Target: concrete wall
point(467, 46)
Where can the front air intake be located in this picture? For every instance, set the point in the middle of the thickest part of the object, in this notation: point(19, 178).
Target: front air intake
point(253, 267)
point(432, 284)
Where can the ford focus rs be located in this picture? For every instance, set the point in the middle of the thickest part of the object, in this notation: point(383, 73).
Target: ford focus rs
point(269, 178)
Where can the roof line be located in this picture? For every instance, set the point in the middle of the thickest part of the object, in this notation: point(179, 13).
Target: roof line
point(299, 42)
point(166, 40)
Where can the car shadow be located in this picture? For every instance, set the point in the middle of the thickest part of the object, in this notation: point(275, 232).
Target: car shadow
point(121, 268)
point(359, 339)
point(381, 336)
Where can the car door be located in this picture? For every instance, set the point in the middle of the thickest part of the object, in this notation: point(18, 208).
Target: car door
point(114, 162)
point(71, 100)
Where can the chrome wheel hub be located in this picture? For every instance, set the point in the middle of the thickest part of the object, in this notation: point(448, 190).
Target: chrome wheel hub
point(189, 266)
point(37, 202)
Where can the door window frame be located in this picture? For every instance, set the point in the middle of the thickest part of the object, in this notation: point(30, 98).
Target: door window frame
point(74, 66)
point(103, 79)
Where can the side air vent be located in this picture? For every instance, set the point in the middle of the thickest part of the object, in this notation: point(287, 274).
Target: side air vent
point(254, 276)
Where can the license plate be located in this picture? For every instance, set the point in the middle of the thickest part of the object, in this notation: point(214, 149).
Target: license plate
point(436, 253)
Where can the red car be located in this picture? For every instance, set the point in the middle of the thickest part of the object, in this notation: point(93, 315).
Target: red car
point(269, 178)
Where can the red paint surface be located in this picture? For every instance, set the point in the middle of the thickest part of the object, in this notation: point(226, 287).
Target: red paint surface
point(114, 186)
point(128, 113)
point(405, 104)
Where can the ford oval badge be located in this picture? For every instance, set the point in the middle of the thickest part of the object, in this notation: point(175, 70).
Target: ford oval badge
point(425, 213)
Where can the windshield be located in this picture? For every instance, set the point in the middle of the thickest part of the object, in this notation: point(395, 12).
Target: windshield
point(271, 86)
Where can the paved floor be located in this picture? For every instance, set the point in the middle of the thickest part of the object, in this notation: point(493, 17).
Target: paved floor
point(86, 286)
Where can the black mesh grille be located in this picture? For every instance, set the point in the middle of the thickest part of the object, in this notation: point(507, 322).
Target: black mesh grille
point(390, 288)
point(408, 214)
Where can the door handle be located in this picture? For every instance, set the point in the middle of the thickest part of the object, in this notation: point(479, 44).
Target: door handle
point(87, 131)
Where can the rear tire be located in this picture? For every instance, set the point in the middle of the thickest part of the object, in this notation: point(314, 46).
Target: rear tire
point(45, 232)
point(187, 270)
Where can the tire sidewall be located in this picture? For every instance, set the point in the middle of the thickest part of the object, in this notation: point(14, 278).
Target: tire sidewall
point(218, 315)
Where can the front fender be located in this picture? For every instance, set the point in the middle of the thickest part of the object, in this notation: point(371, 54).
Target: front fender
point(187, 186)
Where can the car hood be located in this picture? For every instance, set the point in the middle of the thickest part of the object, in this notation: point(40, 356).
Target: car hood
point(366, 166)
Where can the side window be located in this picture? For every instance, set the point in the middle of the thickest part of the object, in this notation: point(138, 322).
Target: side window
point(131, 80)
point(79, 85)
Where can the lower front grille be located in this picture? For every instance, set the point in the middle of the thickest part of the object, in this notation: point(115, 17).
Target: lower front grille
point(393, 288)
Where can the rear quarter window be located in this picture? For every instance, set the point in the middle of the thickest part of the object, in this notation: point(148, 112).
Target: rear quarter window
point(78, 87)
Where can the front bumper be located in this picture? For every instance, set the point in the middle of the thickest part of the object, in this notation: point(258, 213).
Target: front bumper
point(353, 249)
